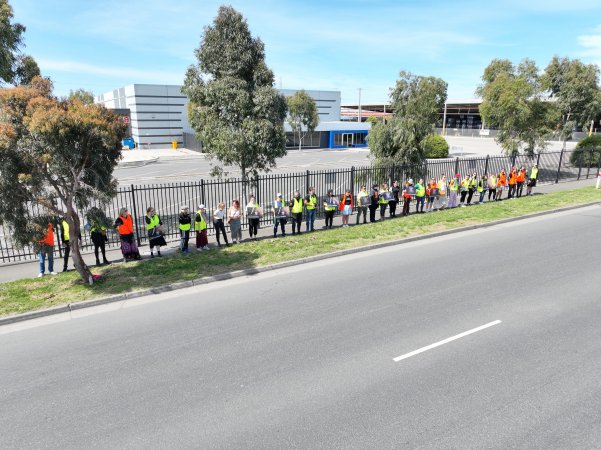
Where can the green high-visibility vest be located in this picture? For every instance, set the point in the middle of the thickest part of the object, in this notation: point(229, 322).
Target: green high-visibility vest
point(200, 225)
point(312, 201)
point(481, 185)
point(65, 225)
point(330, 208)
point(154, 221)
point(534, 173)
point(297, 205)
point(454, 187)
point(420, 190)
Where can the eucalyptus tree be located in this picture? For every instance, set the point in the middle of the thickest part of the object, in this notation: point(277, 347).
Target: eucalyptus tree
point(234, 108)
point(302, 114)
point(56, 157)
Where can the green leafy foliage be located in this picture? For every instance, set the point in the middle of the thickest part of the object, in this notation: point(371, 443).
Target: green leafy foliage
point(81, 95)
point(302, 114)
point(587, 151)
point(234, 108)
point(512, 101)
point(436, 146)
point(10, 42)
point(26, 70)
point(574, 87)
point(417, 101)
point(56, 156)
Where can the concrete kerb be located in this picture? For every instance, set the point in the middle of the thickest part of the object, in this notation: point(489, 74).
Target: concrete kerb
point(257, 270)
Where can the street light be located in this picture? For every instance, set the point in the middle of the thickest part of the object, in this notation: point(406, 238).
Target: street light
point(359, 111)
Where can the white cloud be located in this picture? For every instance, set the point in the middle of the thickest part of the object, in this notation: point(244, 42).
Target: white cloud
point(76, 67)
point(591, 44)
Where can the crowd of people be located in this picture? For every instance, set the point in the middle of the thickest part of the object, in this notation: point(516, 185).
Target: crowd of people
point(427, 196)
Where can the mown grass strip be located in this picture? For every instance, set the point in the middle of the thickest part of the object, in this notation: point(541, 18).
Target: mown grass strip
point(37, 293)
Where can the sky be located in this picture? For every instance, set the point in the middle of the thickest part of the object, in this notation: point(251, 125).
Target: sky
point(309, 44)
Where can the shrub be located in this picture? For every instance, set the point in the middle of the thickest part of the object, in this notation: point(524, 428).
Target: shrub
point(435, 146)
point(581, 154)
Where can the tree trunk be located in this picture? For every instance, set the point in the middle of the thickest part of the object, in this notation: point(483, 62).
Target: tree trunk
point(300, 140)
point(74, 242)
point(243, 200)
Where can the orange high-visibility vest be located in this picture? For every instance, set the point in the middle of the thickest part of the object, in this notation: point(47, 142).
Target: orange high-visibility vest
point(513, 178)
point(127, 227)
point(502, 179)
point(49, 236)
point(522, 176)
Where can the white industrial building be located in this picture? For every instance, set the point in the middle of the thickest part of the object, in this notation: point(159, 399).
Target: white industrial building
point(158, 116)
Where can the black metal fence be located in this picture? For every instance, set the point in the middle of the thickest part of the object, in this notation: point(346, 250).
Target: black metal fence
point(168, 199)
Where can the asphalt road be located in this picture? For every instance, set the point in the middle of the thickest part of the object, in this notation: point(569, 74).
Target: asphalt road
point(303, 357)
point(192, 168)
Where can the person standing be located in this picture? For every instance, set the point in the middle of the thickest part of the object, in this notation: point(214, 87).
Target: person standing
point(521, 181)
point(501, 183)
point(375, 201)
point(492, 187)
point(432, 193)
point(463, 188)
point(442, 192)
point(253, 216)
point(185, 223)
point(310, 206)
point(346, 207)
point(66, 239)
point(392, 204)
point(153, 227)
point(125, 227)
point(200, 226)
point(296, 208)
point(382, 201)
point(532, 179)
point(234, 217)
point(513, 181)
point(218, 223)
point(420, 195)
point(279, 216)
point(47, 251)
point(482, 188)
point(330, 205)
point(453, 189)
point(472, 186)
point(408, 192)
point(99, 239)
point(362, 201)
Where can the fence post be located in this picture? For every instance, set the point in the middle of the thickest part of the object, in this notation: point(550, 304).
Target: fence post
point(391, 175)
point(580, 158)
point(485, 166)
point(559, 167)
point(456, 166)
point(353, 180)
point(307, 181)
point(202, 193)
point(538, 160)
point(598, 165)
point(135, 213)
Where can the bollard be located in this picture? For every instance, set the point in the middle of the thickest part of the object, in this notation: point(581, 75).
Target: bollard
point(598, 181)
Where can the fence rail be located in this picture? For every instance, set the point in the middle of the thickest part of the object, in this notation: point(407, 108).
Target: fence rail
point(168, 199)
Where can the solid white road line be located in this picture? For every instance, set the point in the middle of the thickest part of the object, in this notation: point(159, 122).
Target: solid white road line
point(445, 341)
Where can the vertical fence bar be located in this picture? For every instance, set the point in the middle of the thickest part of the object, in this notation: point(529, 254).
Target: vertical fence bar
point(135, 212)
point(559, 167)
point(456, 166)
point(486, 166)
point(590, 163)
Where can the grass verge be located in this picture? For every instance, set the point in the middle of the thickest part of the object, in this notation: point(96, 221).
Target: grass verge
point(37, 293)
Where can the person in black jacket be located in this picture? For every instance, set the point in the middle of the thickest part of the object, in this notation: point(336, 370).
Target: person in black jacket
point(392, 204)
point(375, 198)
point(185, 223)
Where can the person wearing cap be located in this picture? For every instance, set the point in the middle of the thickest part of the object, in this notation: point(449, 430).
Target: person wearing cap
point(280, 220)
point(532, 179)
point(375, 198)
point(296, 208)
point(218, 223)
point(253, 216)
point(185, 223)
point(200, 225)
point(153, 227)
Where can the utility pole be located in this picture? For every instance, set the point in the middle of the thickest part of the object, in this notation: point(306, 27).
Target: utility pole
point(359, 110)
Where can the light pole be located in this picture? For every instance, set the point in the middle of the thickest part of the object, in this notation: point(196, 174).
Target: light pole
point(359, 111)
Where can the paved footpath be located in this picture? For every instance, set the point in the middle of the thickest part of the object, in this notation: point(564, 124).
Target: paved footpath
point(31, 269)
